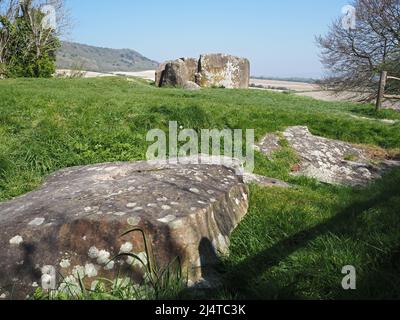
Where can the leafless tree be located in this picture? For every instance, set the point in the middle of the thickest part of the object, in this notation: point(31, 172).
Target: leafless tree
point(355, 57)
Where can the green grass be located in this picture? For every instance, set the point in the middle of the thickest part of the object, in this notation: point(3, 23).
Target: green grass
point(292, 244)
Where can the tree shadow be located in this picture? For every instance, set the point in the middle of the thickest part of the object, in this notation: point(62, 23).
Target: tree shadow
point(242, 277)
point(380, 283)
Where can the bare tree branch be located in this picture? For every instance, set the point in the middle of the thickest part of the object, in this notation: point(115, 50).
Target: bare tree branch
point(354, 58)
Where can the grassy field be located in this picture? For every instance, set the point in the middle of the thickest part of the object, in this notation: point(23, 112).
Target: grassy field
point(292, 244)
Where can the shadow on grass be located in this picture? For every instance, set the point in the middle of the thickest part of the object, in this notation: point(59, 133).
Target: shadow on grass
point(243, 277)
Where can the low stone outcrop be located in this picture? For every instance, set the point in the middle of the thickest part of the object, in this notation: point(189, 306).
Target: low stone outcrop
point(191, 86)
point(211, 70)
point(71, 226)
point(329, 161)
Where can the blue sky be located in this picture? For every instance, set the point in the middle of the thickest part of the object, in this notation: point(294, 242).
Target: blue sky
point(276, 35)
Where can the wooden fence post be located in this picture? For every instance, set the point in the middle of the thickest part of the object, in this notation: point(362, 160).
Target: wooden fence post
point(381, 90)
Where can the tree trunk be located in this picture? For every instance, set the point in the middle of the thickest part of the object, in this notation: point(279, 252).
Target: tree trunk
point(381, 90)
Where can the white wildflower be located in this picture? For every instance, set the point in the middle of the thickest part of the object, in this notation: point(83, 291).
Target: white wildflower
point(78, 272)
point(93, 253)
point(103, 257)
point(90, 270)
point(126, 247)
point(109, 266)
point(65, 263)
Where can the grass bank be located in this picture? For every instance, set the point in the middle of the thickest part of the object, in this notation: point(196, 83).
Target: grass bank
point(292, 244)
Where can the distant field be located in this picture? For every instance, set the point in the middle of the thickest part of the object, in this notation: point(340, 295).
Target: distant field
point(288, 85)
point(146, 75)
point(300, 88)
point(292, 244)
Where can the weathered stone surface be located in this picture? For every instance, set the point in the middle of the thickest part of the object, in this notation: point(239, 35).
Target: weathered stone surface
point(72, 224)
point(210, 70)
point(223, 70)
point(192, 66)
point(160, 73)
point(177, 72)
point(191, 86)
point(330, 161)
point(268, 145)
point(264, 181)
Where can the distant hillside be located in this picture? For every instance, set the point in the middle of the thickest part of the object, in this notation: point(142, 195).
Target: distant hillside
point(97, 59)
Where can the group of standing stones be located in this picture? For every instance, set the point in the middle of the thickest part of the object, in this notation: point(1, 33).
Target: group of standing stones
point(210, 70)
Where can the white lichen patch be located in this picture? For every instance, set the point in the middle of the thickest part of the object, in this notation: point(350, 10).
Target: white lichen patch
point(16, 241)
point(65, 263)
point(166, 207)
point(35, 285)
point(37, 222)
point(3, 296)
point(178, 223)
point(222, 240)
point(167, 219)
point(131, 205)
point(119, 214)
point(109, 169)
point(194, 190)
point(134, 221)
